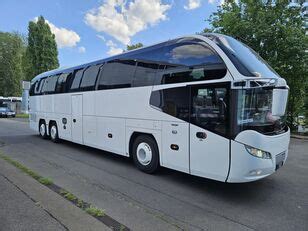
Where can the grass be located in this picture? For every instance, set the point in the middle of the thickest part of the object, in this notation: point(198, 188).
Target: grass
point(95, 211)
point(22, 115)
point(23, 168)
point(45, 181)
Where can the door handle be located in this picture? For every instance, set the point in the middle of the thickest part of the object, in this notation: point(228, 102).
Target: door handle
point(74, 120)
point(201, 135)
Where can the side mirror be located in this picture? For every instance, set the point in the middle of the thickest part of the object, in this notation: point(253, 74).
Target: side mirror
point(279, 101)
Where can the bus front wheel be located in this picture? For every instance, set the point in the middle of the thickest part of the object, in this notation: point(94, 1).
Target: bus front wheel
point(145, 154)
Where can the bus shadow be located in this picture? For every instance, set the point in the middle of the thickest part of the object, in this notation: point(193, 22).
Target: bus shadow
point(235, 192)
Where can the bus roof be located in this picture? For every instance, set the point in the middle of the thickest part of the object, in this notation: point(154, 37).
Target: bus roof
point(119, 56)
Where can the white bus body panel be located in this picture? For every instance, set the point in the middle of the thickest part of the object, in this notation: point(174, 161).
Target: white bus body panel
point(176, 133)
point(245, 167)
point(77, 120)
point(63, 109)
point(209, 157)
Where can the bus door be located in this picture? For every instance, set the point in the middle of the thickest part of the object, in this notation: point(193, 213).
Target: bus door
point(209, 147)
point(77, 119)
point(175, 129)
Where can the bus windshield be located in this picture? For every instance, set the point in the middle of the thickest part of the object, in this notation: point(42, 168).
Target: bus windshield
point(246, 60)
point(254, 111)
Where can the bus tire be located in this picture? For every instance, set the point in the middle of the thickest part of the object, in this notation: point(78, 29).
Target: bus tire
point(53, 131)
point(42, 129)
point(145, 154)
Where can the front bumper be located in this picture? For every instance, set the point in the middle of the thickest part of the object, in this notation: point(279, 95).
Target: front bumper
point(245, 167)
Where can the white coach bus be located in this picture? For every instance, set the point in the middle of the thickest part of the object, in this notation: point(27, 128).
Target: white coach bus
point(205, 104)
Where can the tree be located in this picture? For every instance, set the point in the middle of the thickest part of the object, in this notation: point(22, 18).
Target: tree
point(42, 51)
point(12, 48)
point(275, 31)
point(134, 46)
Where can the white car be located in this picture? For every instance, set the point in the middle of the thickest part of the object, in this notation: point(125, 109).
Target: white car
point(6, 112)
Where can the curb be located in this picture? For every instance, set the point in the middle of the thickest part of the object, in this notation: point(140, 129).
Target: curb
point(299, 137)
point(44, 186)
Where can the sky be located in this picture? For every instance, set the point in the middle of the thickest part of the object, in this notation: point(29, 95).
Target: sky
point(87, 30)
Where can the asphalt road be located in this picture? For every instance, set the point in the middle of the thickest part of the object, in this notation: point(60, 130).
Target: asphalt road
point(168, 200)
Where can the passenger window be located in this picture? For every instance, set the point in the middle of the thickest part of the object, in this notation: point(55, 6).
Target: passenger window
point(39, 87)
point(153, 54)
point(44, 86)
point(209, 108)
point(180, 75)
point(173, 101)
point(144, 74)
point(190, 60)
point(89, 78)
point(52, 84)
point(33, 88)
point(76, 80)
point(190, 52)
point(61, 84)
point(117, 74)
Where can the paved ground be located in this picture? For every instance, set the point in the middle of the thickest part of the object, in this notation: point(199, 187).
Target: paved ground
point(168, 200)
point(26, 205)
point(18, 211)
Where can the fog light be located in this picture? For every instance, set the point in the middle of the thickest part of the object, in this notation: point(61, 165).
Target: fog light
point(258, 153)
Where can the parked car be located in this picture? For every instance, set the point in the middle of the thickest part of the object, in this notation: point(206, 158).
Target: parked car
point(6, 112)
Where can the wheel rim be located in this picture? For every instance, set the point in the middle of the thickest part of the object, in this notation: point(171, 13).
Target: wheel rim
point(144, 153)
point(53, 132)
point(42, 129)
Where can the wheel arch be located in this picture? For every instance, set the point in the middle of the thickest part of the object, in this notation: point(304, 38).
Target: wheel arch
point(51, 122)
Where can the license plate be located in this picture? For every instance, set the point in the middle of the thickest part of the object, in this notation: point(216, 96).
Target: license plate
point(280, 159)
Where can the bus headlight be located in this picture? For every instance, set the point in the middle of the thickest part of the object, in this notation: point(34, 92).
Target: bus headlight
point(258, 153)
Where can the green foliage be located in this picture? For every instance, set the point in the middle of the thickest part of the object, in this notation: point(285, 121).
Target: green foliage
point(95, 211)
point(12, 48)
point(24, 169)
point(277, 33)
point(45, 181)
point(42, 50)
point(25, 116)
point(134, 46)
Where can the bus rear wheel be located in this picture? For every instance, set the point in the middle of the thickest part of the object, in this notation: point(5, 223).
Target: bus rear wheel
point(42, 130)
point(145, 154)
point(54, 135)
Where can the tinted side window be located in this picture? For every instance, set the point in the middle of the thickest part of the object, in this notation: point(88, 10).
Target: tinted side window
point(209, 108)
point(43, 86)
point(190, 61)
point(179, 75)
point(173, 101)
point(117, 74)
point(62, 82)
point(50, 85)
point(144, 74)
point(38, 86)
point(89, 78)
point(32, 88)
point(76, 80)
point(154, 54)
point(191, 54)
